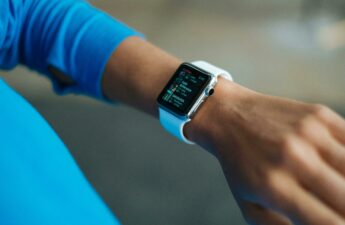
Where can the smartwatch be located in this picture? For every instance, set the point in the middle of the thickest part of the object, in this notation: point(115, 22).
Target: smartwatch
point(188, 88)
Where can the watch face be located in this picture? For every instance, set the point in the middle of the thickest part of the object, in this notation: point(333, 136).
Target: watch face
point(184, 89)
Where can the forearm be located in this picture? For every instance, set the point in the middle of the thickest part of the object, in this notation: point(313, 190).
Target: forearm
point(137, 72)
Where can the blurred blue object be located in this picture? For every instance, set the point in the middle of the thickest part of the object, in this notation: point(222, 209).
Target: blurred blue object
point(40, 183)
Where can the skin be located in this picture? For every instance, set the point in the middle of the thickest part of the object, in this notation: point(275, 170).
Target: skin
point(284, 160)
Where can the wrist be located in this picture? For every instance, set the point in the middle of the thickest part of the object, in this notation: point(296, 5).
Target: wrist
point(223, 107)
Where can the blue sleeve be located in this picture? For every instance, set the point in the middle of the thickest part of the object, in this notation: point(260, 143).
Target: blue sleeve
point(69, 36)
point(40, 183)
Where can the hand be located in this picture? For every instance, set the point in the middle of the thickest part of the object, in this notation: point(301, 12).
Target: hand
point(284, 160)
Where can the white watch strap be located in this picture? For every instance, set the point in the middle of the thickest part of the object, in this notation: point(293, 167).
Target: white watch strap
point(212, 69)
point(172, 123)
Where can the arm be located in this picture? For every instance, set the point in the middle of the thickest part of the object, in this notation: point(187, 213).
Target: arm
point(293, 161)
point(283, 159)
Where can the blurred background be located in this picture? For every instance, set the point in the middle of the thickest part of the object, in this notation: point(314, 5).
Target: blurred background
point(292, 48)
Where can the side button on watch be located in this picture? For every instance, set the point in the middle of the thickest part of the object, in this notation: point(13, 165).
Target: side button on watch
point(188, 88)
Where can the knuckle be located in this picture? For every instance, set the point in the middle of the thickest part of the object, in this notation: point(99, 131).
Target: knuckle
point(296, 154)
point(321, 111)
point(275, 190)
point(290, 151)
point(305, 126)
point(288, 154)
point(311, 167)
point(288, 142)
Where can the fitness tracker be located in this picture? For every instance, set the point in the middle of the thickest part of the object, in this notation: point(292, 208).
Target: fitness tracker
point(188, 88)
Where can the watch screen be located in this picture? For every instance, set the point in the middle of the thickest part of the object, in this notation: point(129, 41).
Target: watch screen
point(183, 89)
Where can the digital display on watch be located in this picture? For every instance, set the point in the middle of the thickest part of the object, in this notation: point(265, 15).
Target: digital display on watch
point(183, 89)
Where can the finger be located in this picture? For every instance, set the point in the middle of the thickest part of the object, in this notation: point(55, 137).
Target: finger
point(303, 208)
point(333, 153)
point(324, 183)
point(328, 146)
point(334, 121)
point(257, 215)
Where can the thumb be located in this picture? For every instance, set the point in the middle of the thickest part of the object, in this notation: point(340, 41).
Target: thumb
point(255, 214)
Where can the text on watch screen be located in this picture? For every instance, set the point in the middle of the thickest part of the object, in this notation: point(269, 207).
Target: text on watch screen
point(182, 92)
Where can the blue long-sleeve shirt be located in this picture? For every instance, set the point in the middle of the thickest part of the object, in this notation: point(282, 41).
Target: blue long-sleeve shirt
point(68, 35)
point(40, 184)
